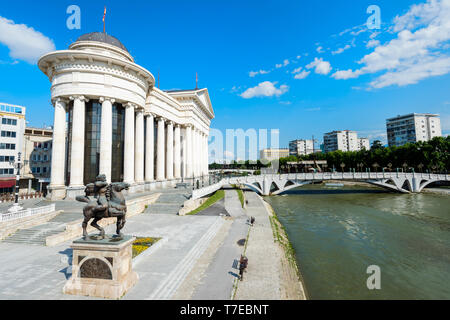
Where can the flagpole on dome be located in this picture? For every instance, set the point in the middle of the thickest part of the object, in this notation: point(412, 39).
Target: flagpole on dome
point(104, 19)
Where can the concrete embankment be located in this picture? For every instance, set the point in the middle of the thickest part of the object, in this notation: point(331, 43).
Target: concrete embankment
point(437, 191)
point(272, 272)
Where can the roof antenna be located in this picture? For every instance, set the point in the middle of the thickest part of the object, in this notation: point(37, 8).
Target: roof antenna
point(158, 78)
point(196, 81)
point(104, 16)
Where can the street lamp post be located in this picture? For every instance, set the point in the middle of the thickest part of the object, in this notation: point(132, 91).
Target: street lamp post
point(17, 165)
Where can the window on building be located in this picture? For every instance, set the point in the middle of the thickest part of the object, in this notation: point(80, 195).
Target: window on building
point(8, 121)
point(8, 134)
point(8, 146)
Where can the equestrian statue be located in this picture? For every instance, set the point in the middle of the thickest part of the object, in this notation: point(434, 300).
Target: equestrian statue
point(107, 201)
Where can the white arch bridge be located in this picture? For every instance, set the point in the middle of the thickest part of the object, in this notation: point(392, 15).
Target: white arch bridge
point(273, 184)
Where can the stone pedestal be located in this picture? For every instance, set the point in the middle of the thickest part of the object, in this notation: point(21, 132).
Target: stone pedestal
point(73, 192)
point(56, 193)
point(102, 268)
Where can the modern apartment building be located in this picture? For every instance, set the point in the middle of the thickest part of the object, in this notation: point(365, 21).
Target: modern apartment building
point(37, 152)
point(301, 147)
point(12, 126)
point(363, 143)
point(412, 128)
point(273, 154)
point(345, 140)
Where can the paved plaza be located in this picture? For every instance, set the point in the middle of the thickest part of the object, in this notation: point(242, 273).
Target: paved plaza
point(196, 257)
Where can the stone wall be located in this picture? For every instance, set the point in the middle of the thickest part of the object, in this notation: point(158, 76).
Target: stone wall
point(9, 227)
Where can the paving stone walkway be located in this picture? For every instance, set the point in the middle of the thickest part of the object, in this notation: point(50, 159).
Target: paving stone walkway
point(262, 279)
point(170, 201)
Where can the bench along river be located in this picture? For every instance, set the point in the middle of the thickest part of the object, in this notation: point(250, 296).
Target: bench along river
point(338, 233)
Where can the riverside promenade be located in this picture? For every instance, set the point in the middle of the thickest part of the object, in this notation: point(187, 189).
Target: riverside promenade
point(196, 258)
point(270, 275)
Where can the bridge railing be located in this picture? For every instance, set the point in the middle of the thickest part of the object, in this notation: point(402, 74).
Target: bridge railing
point(317, 177)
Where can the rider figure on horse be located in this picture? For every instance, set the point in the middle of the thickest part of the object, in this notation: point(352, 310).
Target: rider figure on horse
point(108, 202)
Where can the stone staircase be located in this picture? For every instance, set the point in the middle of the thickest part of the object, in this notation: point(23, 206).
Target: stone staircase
point(35, 235)
point(169, 202)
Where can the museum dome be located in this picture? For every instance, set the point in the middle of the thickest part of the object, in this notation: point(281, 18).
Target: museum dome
point(102, 37)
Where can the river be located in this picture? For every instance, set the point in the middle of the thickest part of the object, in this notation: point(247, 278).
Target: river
point(338, 233)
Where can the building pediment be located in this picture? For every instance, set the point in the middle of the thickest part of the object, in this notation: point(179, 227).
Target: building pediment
point(199, 96)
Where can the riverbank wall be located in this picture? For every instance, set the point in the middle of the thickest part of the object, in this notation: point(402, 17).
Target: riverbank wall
point(272, 273)
point(292, 276)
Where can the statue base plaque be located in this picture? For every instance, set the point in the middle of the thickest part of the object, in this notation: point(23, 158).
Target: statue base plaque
point(102, 268)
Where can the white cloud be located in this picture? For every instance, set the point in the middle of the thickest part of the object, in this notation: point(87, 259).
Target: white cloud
point(265, 89)
point(340, 50)
point(299, 74)
point(255, 73)
point(373, 35)
point(320, 49)
point(346, 74)
point(411, 74)
point(321, 67)
point(302, 75)
point(372, 43)
point(24, 42)
point(284, 64)
point(419, 15)
point(417, 51)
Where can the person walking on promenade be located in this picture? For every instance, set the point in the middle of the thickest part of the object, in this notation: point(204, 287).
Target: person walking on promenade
point(243, 262)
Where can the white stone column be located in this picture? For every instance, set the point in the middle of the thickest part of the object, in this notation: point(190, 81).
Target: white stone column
point(169, 159)
point(207, 154)
point(160, 151)
point(188, 153)
point(197, 153)
point(139, 147)
point(183, 152)
point(128, 170)
point(106, 137)
point(194, 152)
point(177, 152)
point(77, 146)
point(57, 179)
point(203, 162)
point(149, 150)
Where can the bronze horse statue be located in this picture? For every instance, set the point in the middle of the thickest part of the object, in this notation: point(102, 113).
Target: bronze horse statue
point(108, 202)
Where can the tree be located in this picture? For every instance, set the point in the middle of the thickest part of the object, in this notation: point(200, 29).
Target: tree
point(376, 145)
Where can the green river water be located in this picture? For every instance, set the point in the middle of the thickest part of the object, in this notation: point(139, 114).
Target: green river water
point(338, 233)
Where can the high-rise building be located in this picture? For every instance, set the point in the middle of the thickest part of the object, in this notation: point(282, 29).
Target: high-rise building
point(37, 152)
point(412, 128)
point(345, 140)
point(301, 147)
point(363, 143)
point(273, 154)
point(12, 126)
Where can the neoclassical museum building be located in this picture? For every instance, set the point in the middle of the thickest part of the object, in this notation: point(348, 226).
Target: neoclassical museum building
point(111, 119)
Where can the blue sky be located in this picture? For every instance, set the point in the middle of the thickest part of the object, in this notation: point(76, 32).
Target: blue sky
point(343, 80)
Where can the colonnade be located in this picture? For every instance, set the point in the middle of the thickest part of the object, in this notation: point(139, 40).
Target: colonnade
point(181, 149)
